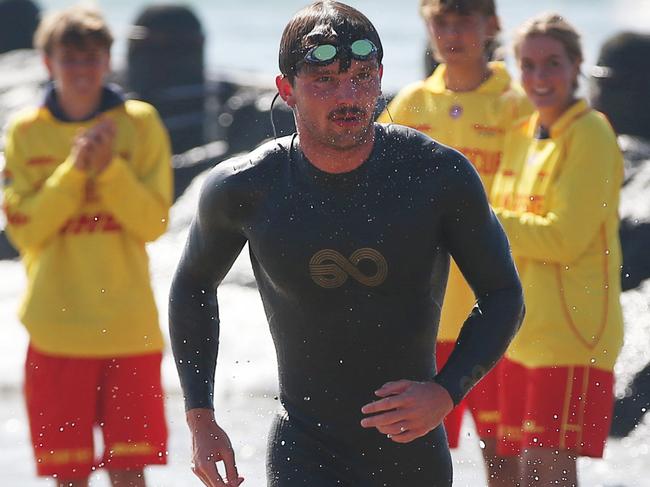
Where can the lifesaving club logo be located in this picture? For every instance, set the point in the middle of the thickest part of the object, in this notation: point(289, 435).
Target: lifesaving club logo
point(329, 269)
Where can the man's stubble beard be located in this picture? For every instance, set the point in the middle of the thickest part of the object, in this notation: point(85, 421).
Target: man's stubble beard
point(345, 141)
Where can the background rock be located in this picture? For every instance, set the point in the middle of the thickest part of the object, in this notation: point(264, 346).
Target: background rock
point(18, 22)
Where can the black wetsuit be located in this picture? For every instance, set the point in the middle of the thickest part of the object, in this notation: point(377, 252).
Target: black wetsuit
point(352, 270)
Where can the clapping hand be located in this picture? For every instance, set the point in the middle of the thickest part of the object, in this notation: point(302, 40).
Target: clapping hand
point(92, 149)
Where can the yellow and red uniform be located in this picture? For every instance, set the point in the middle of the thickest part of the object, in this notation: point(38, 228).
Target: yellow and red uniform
point(474, 123)
point(82, 239)
point(95, 342)
point(557, 198)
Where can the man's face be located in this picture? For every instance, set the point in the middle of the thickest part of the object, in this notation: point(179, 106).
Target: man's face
point(335, 108)
point(78, 72)
point(460, 39)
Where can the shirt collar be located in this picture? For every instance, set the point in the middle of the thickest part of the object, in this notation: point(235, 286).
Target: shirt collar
point(575, 111)
point(112, 97)
point(498, 81)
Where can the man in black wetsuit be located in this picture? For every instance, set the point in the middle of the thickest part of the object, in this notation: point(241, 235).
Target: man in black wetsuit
point(350, 226)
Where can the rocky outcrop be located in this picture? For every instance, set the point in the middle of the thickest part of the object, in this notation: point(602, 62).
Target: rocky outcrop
point(619, 83)
point(635, 211)
point(18, 22)
point(22, 80)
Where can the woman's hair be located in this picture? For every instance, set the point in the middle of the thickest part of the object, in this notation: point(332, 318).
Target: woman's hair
point(323, 21)
point(77, 26)
point(554, 26)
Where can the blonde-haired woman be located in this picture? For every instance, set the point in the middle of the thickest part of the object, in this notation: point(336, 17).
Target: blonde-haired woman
point(556, 194)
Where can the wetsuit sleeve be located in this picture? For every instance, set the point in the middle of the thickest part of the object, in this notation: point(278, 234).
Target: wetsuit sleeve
point(213, 244)
point(140, 195)
point(479, 246)
point(36, 210)
point(585, 194)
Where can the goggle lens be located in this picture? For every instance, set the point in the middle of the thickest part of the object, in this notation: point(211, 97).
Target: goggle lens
point(361, 49)
point(323, 53)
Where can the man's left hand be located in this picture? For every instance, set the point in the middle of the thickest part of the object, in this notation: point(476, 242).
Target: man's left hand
point(408, 409)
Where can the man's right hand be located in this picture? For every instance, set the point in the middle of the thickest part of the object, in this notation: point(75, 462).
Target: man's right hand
point(210, 444)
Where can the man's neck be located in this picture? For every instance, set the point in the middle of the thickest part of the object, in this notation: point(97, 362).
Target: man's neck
point(337, 160)
point(466, 77)
point(78, 108)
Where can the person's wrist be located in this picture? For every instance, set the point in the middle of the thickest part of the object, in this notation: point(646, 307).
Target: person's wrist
point(200, 416)
point(447, 397)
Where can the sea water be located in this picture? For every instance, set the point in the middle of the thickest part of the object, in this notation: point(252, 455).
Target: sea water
point(245, 34)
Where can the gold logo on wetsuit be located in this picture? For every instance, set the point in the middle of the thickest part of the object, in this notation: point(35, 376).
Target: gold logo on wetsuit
point(329, 269)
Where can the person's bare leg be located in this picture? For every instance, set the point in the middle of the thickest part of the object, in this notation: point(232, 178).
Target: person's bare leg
point(72, 483)
point(542, 467)
point(127, 478)
point(501, 471)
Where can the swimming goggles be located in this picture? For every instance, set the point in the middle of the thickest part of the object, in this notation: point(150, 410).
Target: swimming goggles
point(361, 49)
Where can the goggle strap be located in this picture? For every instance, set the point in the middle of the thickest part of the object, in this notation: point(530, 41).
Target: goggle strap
point(275, 132)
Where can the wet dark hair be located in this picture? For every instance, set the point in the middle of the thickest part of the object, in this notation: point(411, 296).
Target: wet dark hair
point(324, 21)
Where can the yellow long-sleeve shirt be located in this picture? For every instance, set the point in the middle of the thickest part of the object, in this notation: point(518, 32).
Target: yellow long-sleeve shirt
point(82, 240)
point(558, 200)
point(473, 123)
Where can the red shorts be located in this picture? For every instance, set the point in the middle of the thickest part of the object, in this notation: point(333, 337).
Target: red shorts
point(482, 402)
point(66, 397)
point(563, 408)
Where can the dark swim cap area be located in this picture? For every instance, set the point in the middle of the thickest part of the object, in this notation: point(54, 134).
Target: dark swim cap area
point(325, 22)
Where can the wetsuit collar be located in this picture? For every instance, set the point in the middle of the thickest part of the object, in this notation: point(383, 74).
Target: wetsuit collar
point(298, 159)
point(112, 97)
point(498, 82)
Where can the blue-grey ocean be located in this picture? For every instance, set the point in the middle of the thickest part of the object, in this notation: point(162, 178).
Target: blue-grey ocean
point(243, 35)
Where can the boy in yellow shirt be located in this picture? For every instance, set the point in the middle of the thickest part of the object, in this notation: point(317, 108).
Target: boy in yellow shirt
point(467, 103)
point(87, 183)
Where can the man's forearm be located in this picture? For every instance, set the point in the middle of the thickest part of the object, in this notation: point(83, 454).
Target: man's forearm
point(484, 338)
point(194, 333)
